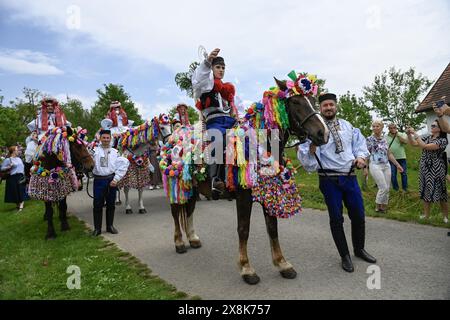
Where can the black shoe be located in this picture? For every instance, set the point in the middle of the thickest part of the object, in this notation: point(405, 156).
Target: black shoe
point(365, 256)
point(347, 264)
point(112, 230)
point(96, 232)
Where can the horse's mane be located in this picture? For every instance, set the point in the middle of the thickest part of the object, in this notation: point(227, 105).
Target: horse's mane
point(56, 143)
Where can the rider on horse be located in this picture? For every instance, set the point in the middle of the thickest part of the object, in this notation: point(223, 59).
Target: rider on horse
point(215, 100)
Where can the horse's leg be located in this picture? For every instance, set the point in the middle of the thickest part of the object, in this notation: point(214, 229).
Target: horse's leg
point(51, 234)
point(194, 240)
point(118, 201)
point(244, 210)
point(286, 269)
point(62, 207)
point(141, 201)
point(128, 209)
point(178, 236)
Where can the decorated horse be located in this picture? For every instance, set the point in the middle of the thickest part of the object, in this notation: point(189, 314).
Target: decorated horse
point(285, 110)
point(61, 154)
point(134, 145)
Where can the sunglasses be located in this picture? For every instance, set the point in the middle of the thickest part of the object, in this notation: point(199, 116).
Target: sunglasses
point(434, 126)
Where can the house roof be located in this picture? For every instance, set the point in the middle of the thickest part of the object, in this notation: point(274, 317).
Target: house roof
point(440, 88)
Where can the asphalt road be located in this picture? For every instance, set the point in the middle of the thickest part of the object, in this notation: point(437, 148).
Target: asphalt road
point(413, 260)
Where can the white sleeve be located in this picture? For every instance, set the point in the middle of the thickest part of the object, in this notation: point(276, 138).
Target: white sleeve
point(307, 160)
point(121, 166)
point(202, 79)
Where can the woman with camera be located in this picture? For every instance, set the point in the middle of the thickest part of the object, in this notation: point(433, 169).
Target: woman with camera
point(432, 168)
point(15, 181)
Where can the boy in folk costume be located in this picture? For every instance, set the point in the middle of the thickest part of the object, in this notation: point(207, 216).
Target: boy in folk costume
point(49, 117)
point(181, 118)
point(215, 100)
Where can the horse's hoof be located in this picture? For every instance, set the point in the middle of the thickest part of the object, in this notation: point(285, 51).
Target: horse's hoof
point(289, 273)
point(195, 244)
point(181, 249)
point(251, 278)
point(118, 203)
point(50, 237)
point(128, 211)
point(65, 227)
point(142, 211)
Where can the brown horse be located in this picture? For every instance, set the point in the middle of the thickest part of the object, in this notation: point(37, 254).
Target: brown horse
point(304, 122)
point(82, 162)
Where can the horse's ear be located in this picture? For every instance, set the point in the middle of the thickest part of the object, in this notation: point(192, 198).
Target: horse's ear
point(281, 84)
point(69, 131)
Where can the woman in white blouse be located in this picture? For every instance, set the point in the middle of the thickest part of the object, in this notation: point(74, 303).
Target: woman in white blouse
point(15, 183)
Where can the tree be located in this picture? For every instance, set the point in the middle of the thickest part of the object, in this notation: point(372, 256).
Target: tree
point(111, 92)
point(192, 114)
point(183, 80)
point(355, 111)
point(394, 96)
point(75, 113)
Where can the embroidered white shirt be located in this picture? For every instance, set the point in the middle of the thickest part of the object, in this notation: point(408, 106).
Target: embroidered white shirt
point(108, 161)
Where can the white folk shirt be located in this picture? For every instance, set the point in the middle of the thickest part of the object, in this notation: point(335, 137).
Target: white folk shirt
point(108, 162)
point(120, 127)
point(51, 124)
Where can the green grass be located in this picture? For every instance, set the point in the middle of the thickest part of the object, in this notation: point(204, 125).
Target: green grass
point(402, 206)
point(33, 268)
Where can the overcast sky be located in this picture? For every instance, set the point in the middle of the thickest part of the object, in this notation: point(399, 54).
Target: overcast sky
point(74, 47)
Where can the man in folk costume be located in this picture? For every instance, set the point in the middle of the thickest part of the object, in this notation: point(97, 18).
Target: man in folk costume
point(49, 117)
point(120, 120)
point(335, 163)
point(180, 118)
point(215, 100)
point(109, 169)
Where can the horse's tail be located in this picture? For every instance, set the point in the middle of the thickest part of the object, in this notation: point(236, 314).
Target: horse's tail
point(184, 218)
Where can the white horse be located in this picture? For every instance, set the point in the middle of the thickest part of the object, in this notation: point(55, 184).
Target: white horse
point(137, 151)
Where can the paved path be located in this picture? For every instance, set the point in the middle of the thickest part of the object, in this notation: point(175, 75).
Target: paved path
point(414, 260)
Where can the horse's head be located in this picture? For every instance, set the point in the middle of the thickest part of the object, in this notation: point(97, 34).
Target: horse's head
point(165, 127)
point(79, 153)
point(304, 120)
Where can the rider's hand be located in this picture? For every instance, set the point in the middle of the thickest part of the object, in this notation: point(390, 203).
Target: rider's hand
point(113, 183)
point(213, 54)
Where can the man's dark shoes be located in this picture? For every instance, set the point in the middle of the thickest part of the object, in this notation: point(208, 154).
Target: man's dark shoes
point(347, 264)
point(96, 232)
point(365, 256)
point(112, 230)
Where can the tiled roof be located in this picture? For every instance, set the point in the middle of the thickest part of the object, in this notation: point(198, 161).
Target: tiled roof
point(439, 89)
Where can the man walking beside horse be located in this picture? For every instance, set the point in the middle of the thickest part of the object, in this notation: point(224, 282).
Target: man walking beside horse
point(335, 163)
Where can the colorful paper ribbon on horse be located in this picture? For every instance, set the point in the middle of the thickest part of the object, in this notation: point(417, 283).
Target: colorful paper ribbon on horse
point(54, 142)
point(177, 158)
point(139, 135)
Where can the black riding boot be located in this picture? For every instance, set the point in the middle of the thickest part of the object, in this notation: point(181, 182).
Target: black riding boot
point(337, 230)
point(109, 220)
point(217, 185)
point(98, 215)
point(358, 239)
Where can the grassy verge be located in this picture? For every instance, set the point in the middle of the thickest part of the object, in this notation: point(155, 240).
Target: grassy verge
point(402, 206)
point(32, 268)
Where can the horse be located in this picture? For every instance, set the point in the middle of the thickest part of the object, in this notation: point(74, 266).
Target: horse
point(62, 154)
point(301, 120)
point(134, 145)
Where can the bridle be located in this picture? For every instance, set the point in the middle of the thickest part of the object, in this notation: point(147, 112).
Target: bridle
point(300, 126)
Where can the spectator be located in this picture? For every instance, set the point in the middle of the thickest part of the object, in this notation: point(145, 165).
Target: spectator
point(15, 183)
point(379, 167)
point(396, 142)
point(432, 170)
point(32, 143)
